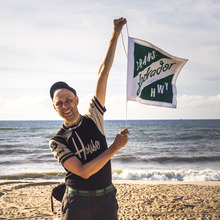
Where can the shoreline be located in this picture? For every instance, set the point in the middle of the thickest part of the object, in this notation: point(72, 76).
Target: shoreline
point(146, 182)
point(30, 199)
point(213, 183)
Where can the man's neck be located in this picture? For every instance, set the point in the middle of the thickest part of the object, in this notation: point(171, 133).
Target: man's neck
point(72, 122)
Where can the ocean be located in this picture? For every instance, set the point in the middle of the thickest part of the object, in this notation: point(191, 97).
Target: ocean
point(158, 150)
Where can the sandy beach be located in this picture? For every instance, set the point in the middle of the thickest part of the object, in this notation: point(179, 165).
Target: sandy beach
point(137, 200)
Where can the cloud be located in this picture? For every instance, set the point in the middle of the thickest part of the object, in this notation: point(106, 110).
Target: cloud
point(196, 102)
point(40, 107)
point(27, 108)
point(45, 41)
point(188, 107)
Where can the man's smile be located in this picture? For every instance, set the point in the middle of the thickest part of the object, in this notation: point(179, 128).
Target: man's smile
point(67, 112)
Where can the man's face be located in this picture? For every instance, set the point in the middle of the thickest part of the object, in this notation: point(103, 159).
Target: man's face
point(65, 103)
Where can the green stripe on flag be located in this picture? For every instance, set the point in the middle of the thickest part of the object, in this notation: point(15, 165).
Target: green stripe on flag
point(161, 90)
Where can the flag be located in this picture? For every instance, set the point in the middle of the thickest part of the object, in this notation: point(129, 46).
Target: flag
point(152, 74)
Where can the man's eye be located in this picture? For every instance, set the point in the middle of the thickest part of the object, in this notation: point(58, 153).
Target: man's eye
point(58, 104)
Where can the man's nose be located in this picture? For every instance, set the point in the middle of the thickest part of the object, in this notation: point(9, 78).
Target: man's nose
point(65, 104)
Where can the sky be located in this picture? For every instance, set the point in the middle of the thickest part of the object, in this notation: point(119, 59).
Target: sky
point(45, 41)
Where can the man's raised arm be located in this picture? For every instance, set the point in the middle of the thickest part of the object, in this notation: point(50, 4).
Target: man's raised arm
point(106, 64)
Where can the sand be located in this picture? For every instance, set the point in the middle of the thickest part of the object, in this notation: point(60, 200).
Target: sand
point(137, 200)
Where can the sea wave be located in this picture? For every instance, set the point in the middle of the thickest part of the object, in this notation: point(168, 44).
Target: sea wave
point(167, 175)
point(191, 159)
point(125, 158)
point(146, 175)
point(45, 175)
point(8, 129)
point(166, 159)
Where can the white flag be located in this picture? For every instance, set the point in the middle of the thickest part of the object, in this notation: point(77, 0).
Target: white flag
point(152, 74)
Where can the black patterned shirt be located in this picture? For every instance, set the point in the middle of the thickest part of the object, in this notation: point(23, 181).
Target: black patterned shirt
point(85, 140)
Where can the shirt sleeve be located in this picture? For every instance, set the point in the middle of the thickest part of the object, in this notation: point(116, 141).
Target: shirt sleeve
point(60, 151)
point(96, 112)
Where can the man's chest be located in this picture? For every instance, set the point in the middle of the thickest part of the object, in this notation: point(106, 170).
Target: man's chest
point(86, 142)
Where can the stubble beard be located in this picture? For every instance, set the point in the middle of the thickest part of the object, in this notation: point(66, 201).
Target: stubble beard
point(71, 119)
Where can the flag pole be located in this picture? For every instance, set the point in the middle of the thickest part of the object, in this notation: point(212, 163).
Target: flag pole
point(126, 105)
point(126, 116)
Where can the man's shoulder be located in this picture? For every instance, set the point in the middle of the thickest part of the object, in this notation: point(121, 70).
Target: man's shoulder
point(96, 112)
point(60, 135)
point(97, 105)
point(60, 131)
point(88, 122)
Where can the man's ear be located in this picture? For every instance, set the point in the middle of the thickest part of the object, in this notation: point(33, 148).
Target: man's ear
point(54, 107)
point(77, 100)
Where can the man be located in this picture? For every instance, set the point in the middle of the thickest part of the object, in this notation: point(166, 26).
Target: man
point(80, 146)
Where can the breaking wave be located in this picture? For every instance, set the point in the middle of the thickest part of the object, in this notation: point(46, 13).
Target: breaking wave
point(167, 175)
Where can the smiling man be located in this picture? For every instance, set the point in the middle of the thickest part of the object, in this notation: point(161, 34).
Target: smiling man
point(80, 146)
point(65, 102)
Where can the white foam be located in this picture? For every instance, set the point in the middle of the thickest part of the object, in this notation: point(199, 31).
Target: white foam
point(168, 175)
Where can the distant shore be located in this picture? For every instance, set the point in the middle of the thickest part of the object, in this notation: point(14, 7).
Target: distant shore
point(136, 199)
